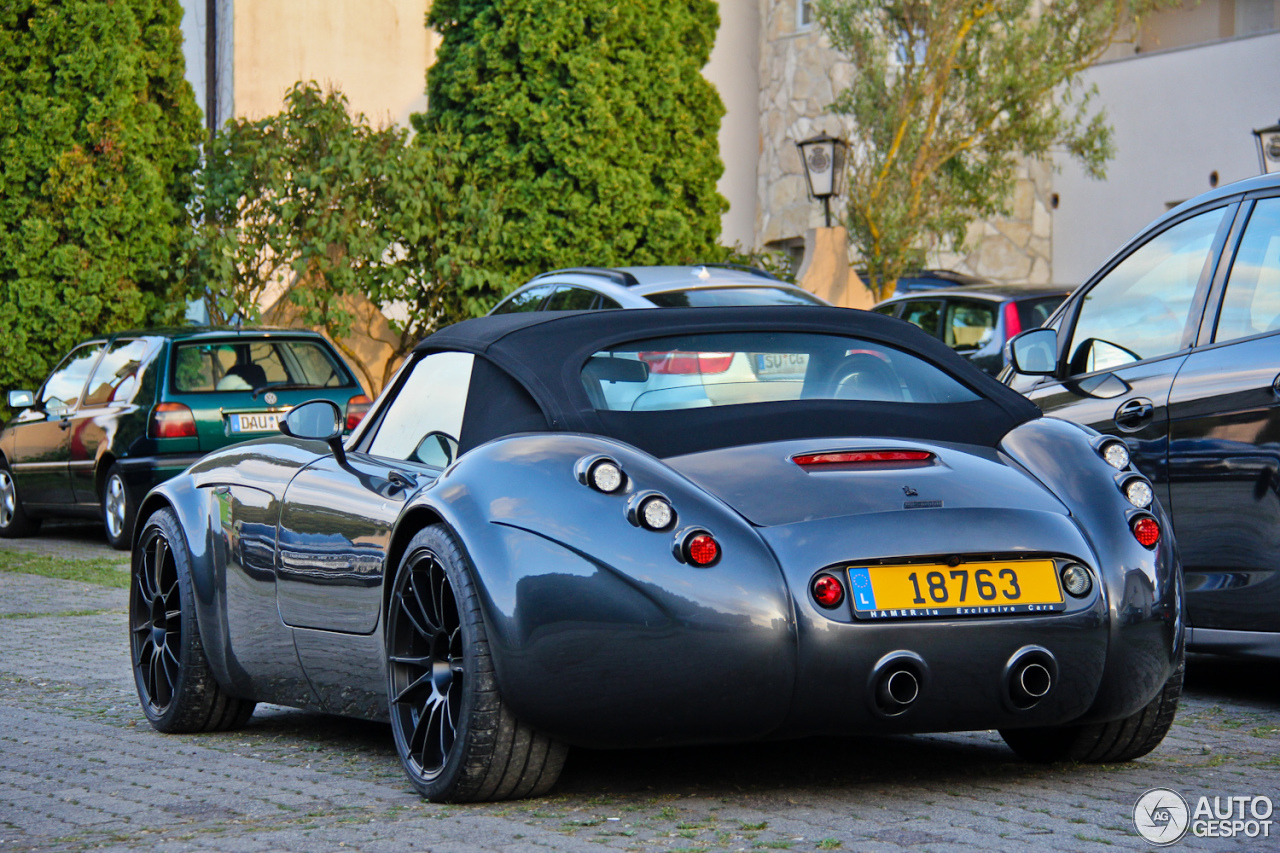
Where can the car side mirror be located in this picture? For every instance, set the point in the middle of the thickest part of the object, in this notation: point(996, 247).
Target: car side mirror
point(1035, 352)
point(22, 399)
point(317, 420)
point(437, 449)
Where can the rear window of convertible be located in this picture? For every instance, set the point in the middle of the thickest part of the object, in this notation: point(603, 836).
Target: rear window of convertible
point(726, 369)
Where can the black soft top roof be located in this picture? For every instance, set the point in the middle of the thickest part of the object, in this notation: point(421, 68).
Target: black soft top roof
point(545, 352)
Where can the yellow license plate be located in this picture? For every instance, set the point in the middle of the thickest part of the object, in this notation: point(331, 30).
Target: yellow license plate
point(969, 589)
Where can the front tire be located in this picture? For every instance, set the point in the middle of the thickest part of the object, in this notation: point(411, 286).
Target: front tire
point(175, 684)
point(456, 738)
point(118, 510)
point(14, 521)
point(1104, 743)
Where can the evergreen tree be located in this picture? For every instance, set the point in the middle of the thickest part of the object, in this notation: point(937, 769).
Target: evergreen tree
point(590, 121)
point(98, 134)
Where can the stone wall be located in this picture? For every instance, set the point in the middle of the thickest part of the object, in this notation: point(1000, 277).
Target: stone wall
point(800, 75)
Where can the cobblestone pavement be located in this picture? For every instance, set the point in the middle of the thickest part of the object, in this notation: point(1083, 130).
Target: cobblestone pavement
point(80, 769)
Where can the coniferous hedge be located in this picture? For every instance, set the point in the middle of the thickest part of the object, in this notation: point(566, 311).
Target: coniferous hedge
point(98, 135)
point(590, 121)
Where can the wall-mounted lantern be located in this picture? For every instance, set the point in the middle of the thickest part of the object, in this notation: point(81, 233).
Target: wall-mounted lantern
point(823, 157)
point(1269, 148)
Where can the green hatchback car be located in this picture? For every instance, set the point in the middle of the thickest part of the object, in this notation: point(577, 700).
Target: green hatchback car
point(122, 413)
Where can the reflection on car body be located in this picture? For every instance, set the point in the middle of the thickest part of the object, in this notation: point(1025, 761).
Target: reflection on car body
point(623, 536)
point(1174, 345)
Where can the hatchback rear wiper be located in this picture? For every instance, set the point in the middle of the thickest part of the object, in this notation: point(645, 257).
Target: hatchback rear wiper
point(281, 386)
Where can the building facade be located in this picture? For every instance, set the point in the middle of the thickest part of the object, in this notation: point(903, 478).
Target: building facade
point(1183, 94)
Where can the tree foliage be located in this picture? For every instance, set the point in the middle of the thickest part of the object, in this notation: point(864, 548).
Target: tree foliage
point(592, 120)
point(948, 96)
point(98, 135)
point(314, 206)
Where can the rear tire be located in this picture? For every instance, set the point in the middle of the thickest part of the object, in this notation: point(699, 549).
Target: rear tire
point(456, 738)
point(118, 510)
point(1104, 743)
point(175, 684)
point(14, 521)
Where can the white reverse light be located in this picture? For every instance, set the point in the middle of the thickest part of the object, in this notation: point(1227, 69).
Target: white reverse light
point(606, 476)
point(1116, 455)
point(657, 514)
point(1139, 493)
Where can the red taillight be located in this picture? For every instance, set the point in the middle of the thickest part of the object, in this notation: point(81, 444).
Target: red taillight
point(1012, 322)
point(863, 457)
point(687, 362)
point(1147, 531)
point(701, 549)
point(357, 408)
point(172, 420)
point(827, 591)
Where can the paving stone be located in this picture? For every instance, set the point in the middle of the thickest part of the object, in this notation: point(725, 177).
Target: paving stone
point(81, 769)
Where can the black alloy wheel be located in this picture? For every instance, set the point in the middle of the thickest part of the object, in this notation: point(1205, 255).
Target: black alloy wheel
point(175, 685)
point(457, 740)
point(426, 666)
point(155, 616)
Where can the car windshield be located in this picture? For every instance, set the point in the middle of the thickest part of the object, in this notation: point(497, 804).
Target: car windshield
point(707, 297)
point(243, 365)
point(722, 369)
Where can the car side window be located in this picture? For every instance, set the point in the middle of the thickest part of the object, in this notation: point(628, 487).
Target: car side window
point(62, 389)
point(924, 313)
point(1139, 310)
point(886, 310)
point(529, 300)
point(969, 325)
point(607, 304)
point(115, 379)
point(571, 299)
point(423, 422)
point(1251, 303)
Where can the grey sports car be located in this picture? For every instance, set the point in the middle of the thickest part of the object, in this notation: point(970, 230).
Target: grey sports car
point(619, 529)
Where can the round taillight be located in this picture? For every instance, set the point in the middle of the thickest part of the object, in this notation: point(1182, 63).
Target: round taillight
point(701, 549)
point(1147, 531)
point(828, 591)
point(606, 476)
point(1116, 454)
point(656, 514)
point(1139, 493)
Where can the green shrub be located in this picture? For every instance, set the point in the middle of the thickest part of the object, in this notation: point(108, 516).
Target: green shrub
point(590, 119)
point(98, 135)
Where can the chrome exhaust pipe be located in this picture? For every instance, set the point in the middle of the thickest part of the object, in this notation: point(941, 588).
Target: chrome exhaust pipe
point(896, 691)
point(1029, 677)
point(1035, 680)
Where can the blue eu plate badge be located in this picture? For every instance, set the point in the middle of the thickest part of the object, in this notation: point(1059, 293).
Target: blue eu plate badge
point(864, 598)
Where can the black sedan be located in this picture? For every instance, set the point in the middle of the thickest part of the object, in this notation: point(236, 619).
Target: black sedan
point(1174, 346)
point(979, 320)
point(668, 527)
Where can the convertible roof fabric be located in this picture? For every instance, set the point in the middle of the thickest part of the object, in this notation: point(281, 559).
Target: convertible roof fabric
point(545, 352)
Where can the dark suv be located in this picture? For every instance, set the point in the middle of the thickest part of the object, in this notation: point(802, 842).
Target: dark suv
point(124, 412)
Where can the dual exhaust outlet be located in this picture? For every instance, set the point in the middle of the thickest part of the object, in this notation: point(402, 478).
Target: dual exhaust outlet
point(899, 679)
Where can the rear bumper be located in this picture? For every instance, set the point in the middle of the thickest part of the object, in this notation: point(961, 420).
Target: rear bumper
point(143, 473)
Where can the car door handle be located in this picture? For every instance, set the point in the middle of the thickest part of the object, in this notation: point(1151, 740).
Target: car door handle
point(1134, 413)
